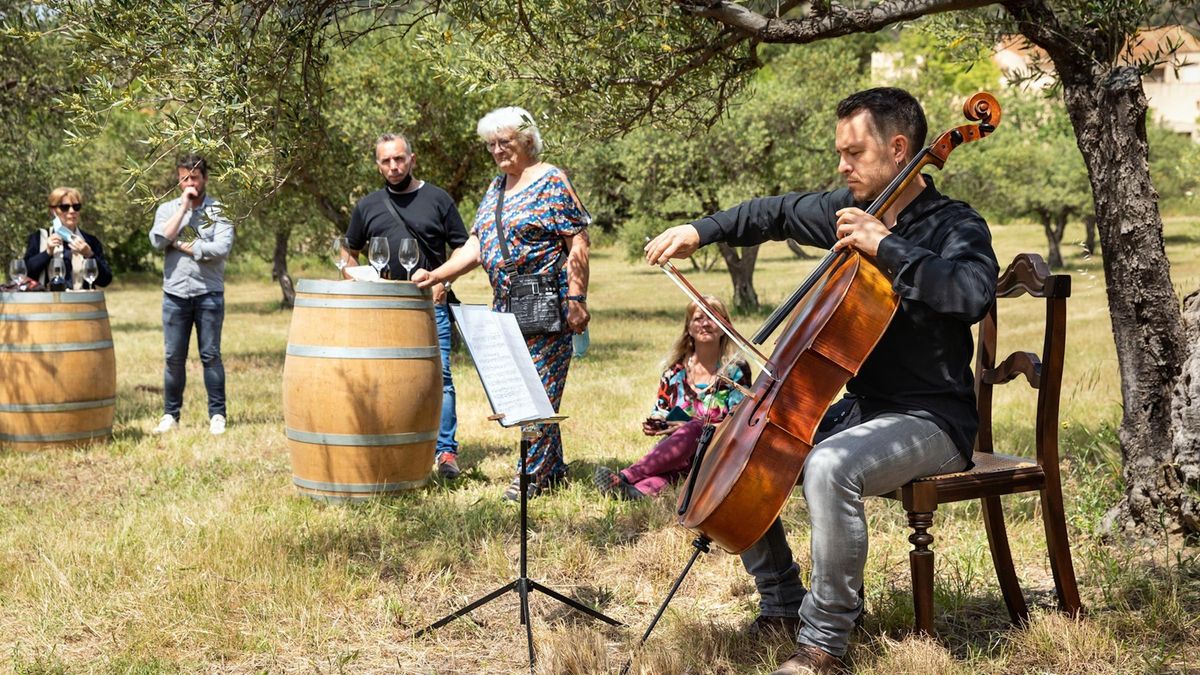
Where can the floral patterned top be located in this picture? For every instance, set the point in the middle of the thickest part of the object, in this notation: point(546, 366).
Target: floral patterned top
point(675, 390)
point(535, 221)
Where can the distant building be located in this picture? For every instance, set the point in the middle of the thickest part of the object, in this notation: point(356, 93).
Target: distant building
point(1173, 93)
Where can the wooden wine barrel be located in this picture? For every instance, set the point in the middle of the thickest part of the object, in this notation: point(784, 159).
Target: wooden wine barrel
point(58, 374)
point(362, 388)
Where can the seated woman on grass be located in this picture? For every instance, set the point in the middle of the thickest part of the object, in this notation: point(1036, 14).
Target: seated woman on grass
point(690, 394)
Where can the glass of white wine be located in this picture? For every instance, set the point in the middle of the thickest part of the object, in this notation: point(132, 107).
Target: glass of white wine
point(91, 270)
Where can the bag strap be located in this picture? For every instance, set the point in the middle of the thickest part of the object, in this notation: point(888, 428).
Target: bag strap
point(387, 200)
point(509, 264)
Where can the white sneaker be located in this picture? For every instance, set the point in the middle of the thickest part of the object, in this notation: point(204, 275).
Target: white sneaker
point(216, 425)
point(166, 424)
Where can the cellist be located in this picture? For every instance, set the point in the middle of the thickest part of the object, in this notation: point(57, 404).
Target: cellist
point(910, 411)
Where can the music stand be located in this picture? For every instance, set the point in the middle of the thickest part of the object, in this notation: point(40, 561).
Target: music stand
point(494, 364)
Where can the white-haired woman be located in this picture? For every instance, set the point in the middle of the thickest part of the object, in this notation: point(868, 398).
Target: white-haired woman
point(542, 224)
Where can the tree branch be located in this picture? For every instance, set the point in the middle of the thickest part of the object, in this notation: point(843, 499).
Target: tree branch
point(836, 21)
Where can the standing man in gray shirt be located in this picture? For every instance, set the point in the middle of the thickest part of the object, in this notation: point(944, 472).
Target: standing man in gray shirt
point(197, 239)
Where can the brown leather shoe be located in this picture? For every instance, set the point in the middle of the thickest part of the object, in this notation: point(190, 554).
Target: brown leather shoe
point(809, 659)
point(764, 626)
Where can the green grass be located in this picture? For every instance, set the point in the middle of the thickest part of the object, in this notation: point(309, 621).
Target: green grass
point(194, 554)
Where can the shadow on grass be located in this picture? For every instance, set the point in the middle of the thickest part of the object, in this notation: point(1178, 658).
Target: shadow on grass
point(238, 362)
point(272, 306)
point(137, 327)
point(672, 315)
point(1180, 239)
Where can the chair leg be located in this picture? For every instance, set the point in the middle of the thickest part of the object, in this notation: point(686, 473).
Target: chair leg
point(1060, 550)
point(920, 558)
point(1006, 574)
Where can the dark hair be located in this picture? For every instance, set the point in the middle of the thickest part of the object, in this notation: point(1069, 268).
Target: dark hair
point(192, 161)
point(893, 111)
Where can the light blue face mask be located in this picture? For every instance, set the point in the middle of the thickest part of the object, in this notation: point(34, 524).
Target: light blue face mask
point(61, 230)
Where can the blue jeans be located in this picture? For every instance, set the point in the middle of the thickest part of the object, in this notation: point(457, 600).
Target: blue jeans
point(207, 313)
point(871, 458)
point(449, 425)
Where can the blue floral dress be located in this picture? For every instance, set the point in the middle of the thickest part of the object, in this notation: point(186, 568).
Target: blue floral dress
point(535, 221)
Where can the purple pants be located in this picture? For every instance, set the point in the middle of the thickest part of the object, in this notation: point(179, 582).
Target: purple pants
point(670, 459)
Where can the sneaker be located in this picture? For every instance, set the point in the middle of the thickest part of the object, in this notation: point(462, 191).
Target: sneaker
point(166, 424)
point(763, 627)
point(447, 465)
point(614, 484)
point(216, 425)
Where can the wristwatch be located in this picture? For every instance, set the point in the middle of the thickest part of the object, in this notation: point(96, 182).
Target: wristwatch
point(446, 285)
point(578, 298)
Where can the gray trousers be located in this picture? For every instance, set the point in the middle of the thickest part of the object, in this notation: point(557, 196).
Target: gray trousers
point(846, 465)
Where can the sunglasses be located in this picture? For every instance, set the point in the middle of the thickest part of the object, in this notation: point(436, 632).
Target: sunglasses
point(68, 207)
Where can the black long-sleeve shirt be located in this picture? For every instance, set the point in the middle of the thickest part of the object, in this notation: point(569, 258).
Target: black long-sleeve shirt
point(940, 260)
point(38, 260)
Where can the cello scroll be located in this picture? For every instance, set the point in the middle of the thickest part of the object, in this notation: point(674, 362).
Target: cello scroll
point(982, 108)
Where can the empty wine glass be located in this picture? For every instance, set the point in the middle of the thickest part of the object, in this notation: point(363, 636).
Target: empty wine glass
point(339, 254)
point(379, 254)
point(408, 255)
point(91, 270)
point(17, 272)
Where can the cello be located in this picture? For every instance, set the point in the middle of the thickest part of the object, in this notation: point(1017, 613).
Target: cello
point(747, 466)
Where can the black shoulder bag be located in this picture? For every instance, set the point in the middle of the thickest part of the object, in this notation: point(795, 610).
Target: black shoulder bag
point(532, 298)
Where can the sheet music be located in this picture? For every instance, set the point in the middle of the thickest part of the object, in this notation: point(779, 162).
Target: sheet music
point(505, 367)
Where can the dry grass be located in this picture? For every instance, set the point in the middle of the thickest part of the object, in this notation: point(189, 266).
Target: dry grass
point(193, 554)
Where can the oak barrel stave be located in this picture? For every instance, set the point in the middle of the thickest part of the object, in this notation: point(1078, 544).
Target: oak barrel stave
point(362, 389)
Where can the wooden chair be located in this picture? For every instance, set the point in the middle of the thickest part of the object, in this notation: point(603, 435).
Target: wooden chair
point(993, 474)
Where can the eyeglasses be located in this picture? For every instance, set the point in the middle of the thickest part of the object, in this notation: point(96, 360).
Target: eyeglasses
point(504, 143)
point(68, 207)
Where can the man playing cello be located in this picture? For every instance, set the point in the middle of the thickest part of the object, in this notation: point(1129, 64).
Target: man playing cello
point(910, 410)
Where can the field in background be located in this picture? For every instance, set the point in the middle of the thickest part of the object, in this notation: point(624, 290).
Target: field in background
point(191, 553)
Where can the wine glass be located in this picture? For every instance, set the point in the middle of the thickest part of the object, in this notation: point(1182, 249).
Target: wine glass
point(17, 272)
point(339, 254)
point(91, 270)
point(379, 254)
point(408, 255)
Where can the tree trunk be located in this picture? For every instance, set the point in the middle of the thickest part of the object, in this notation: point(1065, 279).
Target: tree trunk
point(279, 271)
point(1108, 112)
point(798, 250)
point(1185, 419)
point(741, 271)
point(1053, 225)
point(1089, 239)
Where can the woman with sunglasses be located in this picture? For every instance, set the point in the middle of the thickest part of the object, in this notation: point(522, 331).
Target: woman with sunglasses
point(69, 241)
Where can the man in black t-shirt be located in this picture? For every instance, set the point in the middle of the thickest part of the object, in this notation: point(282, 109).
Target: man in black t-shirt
point(408, 208)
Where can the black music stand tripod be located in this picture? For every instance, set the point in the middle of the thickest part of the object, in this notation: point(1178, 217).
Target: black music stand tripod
point(522, 585)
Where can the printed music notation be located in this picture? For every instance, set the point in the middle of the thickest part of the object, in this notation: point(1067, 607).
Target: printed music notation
point(502, 360)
